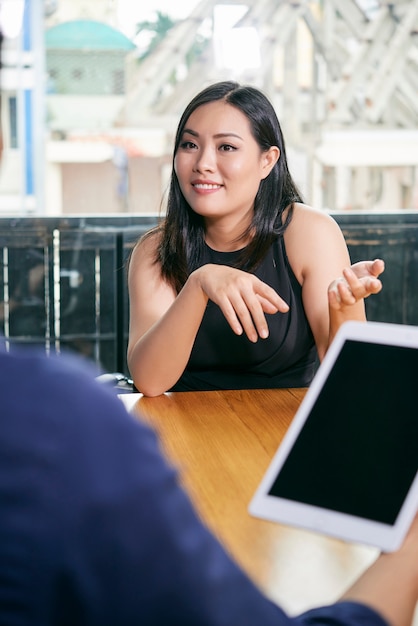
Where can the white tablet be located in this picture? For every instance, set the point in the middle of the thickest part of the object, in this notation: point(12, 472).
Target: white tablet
point(348, 464)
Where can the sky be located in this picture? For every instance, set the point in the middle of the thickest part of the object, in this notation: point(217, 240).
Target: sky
point(133, 11)
point(234, 50)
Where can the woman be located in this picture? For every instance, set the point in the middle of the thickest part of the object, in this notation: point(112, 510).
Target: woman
point(243, 285)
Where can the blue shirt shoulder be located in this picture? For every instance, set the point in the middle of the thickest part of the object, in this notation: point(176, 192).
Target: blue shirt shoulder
point(94, 527)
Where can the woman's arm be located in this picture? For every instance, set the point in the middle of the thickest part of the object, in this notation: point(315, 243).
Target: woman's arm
point(333, 290)
point(163, 325)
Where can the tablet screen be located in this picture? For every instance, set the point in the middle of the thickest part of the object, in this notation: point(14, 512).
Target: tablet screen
point(357, 452)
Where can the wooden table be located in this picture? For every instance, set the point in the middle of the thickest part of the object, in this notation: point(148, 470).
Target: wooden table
point(222, 442)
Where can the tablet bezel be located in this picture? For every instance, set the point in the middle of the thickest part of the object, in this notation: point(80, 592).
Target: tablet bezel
point(336, 524)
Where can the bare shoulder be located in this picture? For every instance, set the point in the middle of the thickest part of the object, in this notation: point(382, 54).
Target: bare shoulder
point(306, 217)
point(313, 235)
point(144, 269)
point(145, 250)
point(147, 287)
point(310, 225)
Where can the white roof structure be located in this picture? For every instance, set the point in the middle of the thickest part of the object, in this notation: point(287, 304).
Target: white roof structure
point(366, 53)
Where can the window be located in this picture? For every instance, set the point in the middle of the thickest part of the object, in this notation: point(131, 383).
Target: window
point(77, 73)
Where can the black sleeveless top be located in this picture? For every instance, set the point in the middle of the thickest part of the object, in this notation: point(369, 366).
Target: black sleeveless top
point(220, 359)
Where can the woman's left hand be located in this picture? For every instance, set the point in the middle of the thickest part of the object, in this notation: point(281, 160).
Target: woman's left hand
point(358, 282)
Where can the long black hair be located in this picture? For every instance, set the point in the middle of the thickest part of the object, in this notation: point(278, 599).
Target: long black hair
point(182, 231)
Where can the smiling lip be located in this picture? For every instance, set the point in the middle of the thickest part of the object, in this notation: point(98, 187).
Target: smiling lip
point(202, 186)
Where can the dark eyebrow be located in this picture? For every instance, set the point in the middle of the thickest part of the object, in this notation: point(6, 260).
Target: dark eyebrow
point(217, 136)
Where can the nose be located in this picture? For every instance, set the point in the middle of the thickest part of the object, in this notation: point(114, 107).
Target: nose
point(205, 160)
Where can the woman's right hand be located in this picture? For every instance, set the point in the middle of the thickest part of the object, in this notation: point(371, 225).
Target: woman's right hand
point(242, 297)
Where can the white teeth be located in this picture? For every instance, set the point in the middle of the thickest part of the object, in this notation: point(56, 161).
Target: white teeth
point(207, 186)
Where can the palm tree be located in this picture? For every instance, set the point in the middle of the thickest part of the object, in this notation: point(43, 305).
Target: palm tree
point(157, 29)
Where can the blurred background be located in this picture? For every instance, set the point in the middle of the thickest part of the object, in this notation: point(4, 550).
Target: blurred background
point(94, 90)
point(92, 94)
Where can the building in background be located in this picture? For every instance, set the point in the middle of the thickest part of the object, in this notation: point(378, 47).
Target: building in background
point(91, 164)
point(85, 64)
point(95, 163)
point(342, 74)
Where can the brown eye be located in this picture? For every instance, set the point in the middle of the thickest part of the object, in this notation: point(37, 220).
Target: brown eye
point(187, 145)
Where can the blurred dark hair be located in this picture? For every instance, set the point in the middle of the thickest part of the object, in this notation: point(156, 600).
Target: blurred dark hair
point(182, 231)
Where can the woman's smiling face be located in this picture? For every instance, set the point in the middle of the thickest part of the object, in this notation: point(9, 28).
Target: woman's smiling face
point(219, 164)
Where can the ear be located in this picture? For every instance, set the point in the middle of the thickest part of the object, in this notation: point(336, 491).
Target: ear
point(269, 160)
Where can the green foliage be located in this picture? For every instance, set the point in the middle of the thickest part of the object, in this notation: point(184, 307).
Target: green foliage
point(158, 29)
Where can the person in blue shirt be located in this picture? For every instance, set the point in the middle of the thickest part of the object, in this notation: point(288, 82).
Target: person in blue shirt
point(95, 529)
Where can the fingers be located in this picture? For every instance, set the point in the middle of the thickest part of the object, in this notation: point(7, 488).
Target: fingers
point(250, 316)
point(368, 268)
point(269, 299)
point(353, 287)
point(269, 307)
point(246, 313)
point(361, 287)
point(378, 267)
point(246, 306)
point(339, 293)
point(243, 298)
